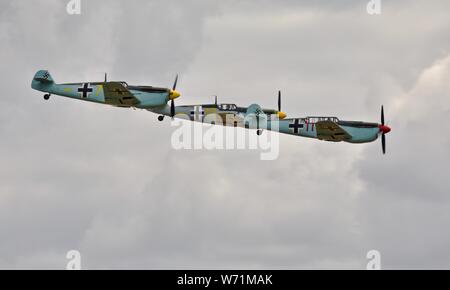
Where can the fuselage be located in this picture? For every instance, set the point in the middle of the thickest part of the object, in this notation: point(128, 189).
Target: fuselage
point(234, 116)
point(155, 99)
point(108, 93)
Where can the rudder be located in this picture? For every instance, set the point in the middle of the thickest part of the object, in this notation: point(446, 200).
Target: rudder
point(42, 81)
point(43, 76)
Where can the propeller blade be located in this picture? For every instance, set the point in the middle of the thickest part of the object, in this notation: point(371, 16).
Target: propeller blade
point(382, 115)
point(215, 100)
point(175, 83)
point(172, 108)
point(383, 143)
point(257, 121)
point(279, 101)
point(106, 77)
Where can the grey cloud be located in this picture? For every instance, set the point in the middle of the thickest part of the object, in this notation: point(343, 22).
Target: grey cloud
point(106, 181)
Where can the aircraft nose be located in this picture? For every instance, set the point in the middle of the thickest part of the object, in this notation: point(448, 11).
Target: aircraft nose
point(174, 94)
point(384, 129)
point(281, 115)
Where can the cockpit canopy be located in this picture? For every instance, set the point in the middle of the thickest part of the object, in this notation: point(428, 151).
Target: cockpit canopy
point(318, 119)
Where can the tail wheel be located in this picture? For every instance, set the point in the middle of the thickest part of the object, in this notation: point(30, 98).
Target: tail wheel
point(46, 96)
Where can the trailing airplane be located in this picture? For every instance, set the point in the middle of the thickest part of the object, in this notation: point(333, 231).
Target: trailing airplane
point(156, 100)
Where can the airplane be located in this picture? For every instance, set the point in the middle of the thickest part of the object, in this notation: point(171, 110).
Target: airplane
point(156, 99)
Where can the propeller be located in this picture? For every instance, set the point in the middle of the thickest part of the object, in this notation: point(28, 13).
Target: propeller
point(383, 137)
point(383, 130)
point(175, 83)
point(106, 77)
point(173, 94)
point(215, 100)
point(281, 115)
point(279, 101)
point(172, 108)
point(257, 120)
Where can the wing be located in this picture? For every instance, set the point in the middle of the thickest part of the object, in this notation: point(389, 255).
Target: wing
point(330, 131)
point(118, 95)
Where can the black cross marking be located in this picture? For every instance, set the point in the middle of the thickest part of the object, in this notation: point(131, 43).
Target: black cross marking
point(85, 90)
point(46, 75)
point(295, 125)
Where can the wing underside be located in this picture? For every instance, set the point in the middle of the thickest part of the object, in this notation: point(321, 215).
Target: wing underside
point(330, 131)
point(118, 95)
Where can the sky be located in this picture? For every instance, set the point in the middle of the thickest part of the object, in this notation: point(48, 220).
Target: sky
point(106, 181)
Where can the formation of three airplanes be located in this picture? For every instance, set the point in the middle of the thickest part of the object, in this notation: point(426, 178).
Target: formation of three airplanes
point(156, 100)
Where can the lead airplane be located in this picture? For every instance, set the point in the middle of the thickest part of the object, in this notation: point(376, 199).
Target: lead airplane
point(156, 100)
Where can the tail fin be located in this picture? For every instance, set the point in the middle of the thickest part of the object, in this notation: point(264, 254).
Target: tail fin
point(43, 76)
point(42, 81)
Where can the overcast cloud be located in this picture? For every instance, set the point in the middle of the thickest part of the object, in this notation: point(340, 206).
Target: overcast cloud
point(105, 181)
